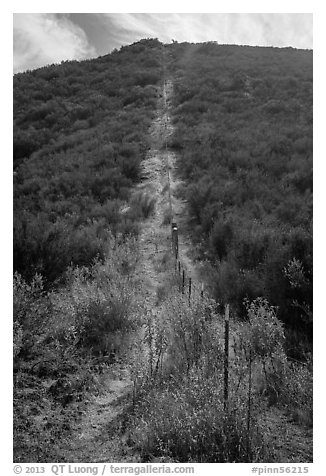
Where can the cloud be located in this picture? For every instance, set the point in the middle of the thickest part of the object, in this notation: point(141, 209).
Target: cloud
point(263, 29)
point(46, 38)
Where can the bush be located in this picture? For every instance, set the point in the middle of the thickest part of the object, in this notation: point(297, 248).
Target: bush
point(99, 302)
point(220, 239)
point(49, 248)
point(224, 282)
point(142, 206)
point(24, 144)
point(64, 170)
point(130, 168)
point(266, 331)
point(296, 392)
point(187, 423)
point(248, 187)
point(31, 313)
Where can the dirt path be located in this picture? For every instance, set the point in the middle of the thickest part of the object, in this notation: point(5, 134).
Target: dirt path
point(186, 250)
point(99, 435)
point(160, 181)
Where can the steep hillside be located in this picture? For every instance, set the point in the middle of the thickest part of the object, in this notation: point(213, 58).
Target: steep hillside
point(243, 120)
point(118, 355)
point(79, 137)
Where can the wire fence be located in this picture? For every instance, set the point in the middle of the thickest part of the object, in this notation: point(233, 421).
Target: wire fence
point(187, 284)
point(189, 287)
point(193, 290)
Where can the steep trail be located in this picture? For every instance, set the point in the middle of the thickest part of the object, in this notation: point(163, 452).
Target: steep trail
point(99, 436)
point(160, 181)
point(178, 204)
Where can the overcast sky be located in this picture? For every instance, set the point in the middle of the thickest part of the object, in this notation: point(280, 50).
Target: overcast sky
point(46, 38)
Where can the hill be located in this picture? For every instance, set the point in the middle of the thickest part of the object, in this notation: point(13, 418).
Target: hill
point(243, 118)
point(118, 355)
point(79, 137)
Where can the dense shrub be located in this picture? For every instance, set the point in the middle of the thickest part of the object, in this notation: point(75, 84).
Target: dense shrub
point(187, 423)
point(80, 133)
point(243, 129)
point(284, 381)
point(78, 143)
point(49, 248)
point(143, 205)
point(296, 392)
point(99, 302)
point(180, 412)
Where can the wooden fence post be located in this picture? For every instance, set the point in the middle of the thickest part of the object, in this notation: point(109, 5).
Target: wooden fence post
point(226, 357)
point(179, 276)
point(249, 404)
point(189, 290)
point(175, 244)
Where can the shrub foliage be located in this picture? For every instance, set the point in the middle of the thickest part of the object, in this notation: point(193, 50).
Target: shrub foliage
point(80, 133)
point(243, 130)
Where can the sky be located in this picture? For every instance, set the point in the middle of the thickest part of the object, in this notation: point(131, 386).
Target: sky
point(45, 38)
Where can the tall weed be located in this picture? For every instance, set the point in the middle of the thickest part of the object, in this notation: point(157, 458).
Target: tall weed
point(184, 421)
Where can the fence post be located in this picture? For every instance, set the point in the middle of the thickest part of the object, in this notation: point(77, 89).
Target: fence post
point(249, 404)
point(175, 244)
point(189, 290)
point(179, 276)
point(226, 357)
